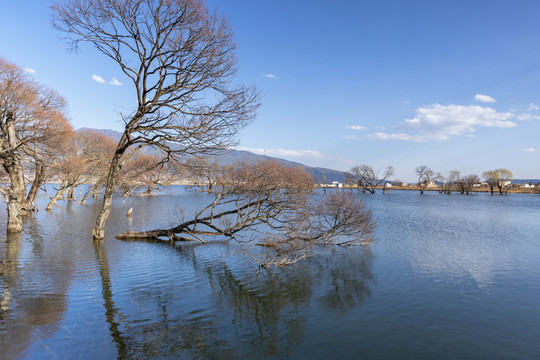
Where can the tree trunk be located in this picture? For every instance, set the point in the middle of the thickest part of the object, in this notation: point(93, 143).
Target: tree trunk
point(17, 191)
point(14, 224)
point(71, 194)
point(98, 232)
point(59, 195)
point(39, 178)
point(14, 200)
point(94, 191)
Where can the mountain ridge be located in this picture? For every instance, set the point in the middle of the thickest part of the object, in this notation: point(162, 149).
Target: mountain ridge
point(230, 156)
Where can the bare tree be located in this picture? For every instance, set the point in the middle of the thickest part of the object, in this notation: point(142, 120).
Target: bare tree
point(369, 178)
point(425, 177)
point(143, 171)
point(31, 119)
point(491, 178)
point(468, 182)
point(203, 174)
point(499, 178)
point(181, 61)
point(505, 179)
point(450, 182)
point(83, 157)
point(274, 204)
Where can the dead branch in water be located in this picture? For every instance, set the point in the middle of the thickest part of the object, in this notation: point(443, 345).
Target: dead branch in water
point(276, 205)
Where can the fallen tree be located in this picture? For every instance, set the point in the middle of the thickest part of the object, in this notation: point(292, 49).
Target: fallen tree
point(271, 205)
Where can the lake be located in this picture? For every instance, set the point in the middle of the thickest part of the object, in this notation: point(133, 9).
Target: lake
point(447, 277)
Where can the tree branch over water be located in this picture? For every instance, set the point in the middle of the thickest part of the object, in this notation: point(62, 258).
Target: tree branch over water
point(271, 205)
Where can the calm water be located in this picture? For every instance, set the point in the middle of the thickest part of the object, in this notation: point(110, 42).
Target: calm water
point(448, 277)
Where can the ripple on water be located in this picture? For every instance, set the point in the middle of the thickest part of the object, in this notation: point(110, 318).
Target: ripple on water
point(447, 277)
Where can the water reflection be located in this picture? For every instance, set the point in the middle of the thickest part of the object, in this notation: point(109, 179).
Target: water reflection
point(229, 312)
point(350, 281)
point(111, 312)
point(31, 305)
point(63, 296)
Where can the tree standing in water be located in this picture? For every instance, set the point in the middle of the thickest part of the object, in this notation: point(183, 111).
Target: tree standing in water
point(273, 204)
point(181, 61)
point(32, 122)
point(368, 178)
point(499, 178)
point(425, 176)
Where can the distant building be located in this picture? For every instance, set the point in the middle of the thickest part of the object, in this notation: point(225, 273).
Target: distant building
point(334, 184)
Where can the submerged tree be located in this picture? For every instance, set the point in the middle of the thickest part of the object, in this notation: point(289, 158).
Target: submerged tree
point(451, 182)
point(181, 62)
point(425, 177)
point(273, 206)
point(32, 121)
point(203, 174)
point(468, 182)
point(82, 158)
point(369, 178)
point(499, 178)
point(143, 171)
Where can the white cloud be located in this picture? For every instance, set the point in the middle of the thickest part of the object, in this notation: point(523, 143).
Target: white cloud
point(437, 122)
point(283, 152)
point(484, 98)
point(399, 136)
point(356, 127)
point(98, 79)
point(115, 82)
point(527, 116)
point(29, 70)
point(533, 106)
point(270, 76)
point(529, 149)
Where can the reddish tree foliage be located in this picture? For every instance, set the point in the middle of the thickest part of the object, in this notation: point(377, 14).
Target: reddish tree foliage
point(275, 206)
point(32, 122)
point(81, 158)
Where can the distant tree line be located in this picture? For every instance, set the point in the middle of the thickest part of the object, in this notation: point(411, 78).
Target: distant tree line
point(368, 179)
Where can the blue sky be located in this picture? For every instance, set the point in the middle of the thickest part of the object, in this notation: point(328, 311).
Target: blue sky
point(448, 84)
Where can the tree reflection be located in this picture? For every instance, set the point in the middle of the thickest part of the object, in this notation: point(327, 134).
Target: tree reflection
point(347, 281)
point(266, 309)
point(31, 304)
point(234, 312)
point(111, 312)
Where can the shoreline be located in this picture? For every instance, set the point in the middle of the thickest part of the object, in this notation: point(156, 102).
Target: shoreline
point(533, 191)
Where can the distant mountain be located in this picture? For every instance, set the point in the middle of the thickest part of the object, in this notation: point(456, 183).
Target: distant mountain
point(526, 181)
point(232, 156)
